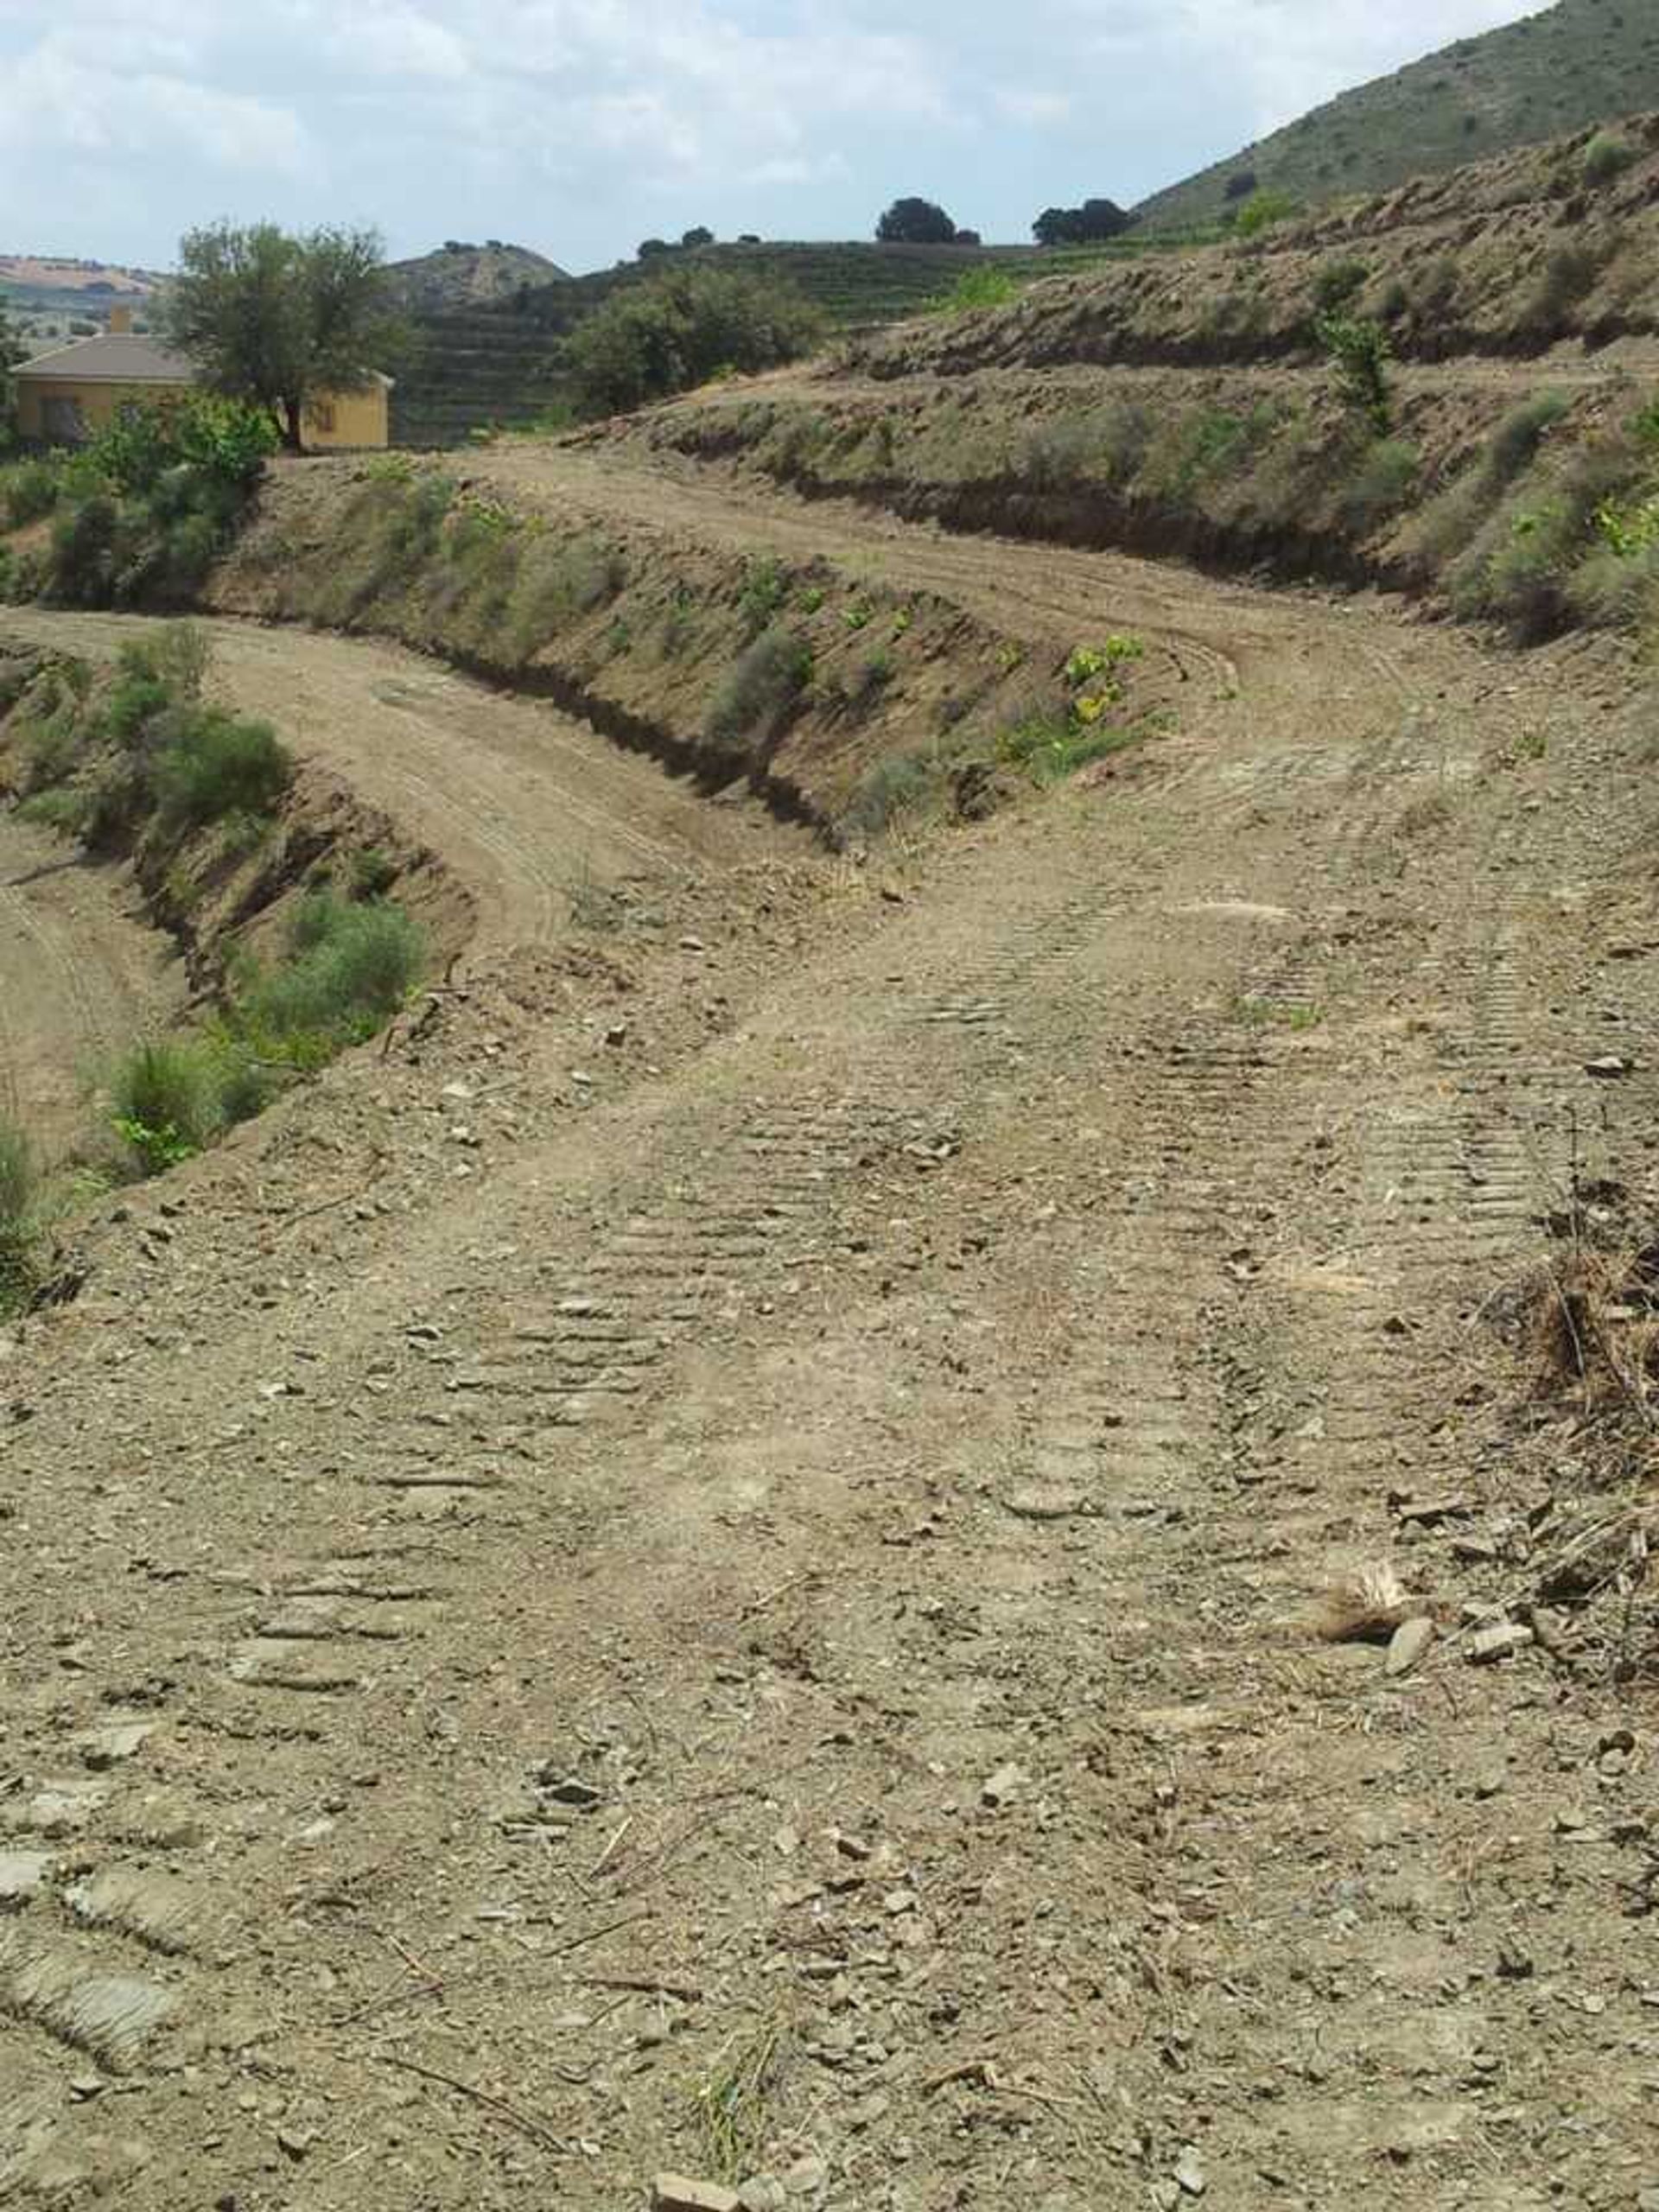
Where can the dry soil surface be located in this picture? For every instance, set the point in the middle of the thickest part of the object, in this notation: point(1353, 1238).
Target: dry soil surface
point(709, 1563)
point(80, 973)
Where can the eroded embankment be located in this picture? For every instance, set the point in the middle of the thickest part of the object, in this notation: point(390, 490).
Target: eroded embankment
point(836, 698)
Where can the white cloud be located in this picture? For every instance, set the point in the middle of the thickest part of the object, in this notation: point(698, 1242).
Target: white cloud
point(60, 106)
point(1034, 108)
point(582, 125)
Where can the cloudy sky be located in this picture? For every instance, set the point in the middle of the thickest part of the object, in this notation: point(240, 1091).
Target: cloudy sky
point(580, 126)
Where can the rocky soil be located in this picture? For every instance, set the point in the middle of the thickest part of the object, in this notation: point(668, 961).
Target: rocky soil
point(711, 1562)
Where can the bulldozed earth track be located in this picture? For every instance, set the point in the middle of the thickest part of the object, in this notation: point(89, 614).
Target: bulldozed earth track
point(743, 1597)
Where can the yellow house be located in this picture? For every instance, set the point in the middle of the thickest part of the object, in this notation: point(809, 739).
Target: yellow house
point(68, 395)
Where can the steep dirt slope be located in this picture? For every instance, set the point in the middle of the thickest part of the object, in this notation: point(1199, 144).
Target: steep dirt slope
point(744, 1597)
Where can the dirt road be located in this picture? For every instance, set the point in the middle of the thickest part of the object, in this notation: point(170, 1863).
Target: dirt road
point(524, 802)
point(81, 976)
point(754, 1610)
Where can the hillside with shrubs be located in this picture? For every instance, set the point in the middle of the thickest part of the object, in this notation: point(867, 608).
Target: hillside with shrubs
point(1574, 66)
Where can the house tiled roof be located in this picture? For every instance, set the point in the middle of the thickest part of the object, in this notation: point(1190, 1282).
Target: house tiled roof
point(119, 360)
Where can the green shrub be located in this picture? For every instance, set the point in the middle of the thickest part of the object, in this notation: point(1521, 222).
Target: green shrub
point(1381, 485)
point(28, 490)
point(142, 510)
point(1359, 353)
point(554, 582)
point(1518, 568)
point(1607, 157)
point(60, 807)
point(1262, 210)
point(765, 588)
point(1448, 523)
point(664, 335)
point(986, 286)
point(19, 1218)
point(215, 763)
point(353, 967)
point(1337, 282)
point(903, 787)
point(167, 1098)
point(1569, 273)
point(372, 873)
point(1608, 589)
point(758, 693)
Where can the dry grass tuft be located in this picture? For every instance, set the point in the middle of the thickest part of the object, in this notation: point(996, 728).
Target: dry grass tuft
point(1595, 1331)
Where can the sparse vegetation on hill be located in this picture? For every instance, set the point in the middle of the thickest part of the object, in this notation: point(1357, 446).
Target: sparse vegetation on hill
point(1581, 62)
point(461, 275)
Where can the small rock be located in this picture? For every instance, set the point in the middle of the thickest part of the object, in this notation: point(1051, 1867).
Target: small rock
point(1609, 1068)
point(1043, 1502)
point(763, 2193)
point(1408, 1642)
point(1501, 1641)
point(692, 945)
point(21, 1874)
point(1514, 1964)
point(675, 2193)
point(617, 1034)
point(807, 2176)
point(113, 1746)
point(1000, 1787)
point(296, 2141)
point(1190, 2176)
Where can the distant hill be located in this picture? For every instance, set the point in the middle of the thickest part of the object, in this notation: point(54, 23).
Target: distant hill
point(95, 280)
point(1582, 62)
point(461, 275)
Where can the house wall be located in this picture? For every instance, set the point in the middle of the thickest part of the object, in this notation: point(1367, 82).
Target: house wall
point(99, 402)
point(341, 419)
point(332, 423)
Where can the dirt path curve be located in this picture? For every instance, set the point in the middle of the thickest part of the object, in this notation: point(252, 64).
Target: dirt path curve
point(1289, 655)
point(80, 974)
point(765, 1620)
point(522, 803)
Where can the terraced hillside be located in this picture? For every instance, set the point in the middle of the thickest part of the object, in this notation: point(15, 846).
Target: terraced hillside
point(1579, 63)
point(498, 365)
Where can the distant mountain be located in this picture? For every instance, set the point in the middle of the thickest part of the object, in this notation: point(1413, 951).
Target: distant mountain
point(1579, 63)
point(459, 275)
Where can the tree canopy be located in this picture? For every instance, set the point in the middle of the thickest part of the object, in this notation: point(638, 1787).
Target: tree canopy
point(274, 317)
point(699, 234)
point(1085, 226)
point(916, 222)
point(674, 330)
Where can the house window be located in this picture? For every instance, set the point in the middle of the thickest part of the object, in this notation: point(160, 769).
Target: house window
point(323, 416)
point(63, 422)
